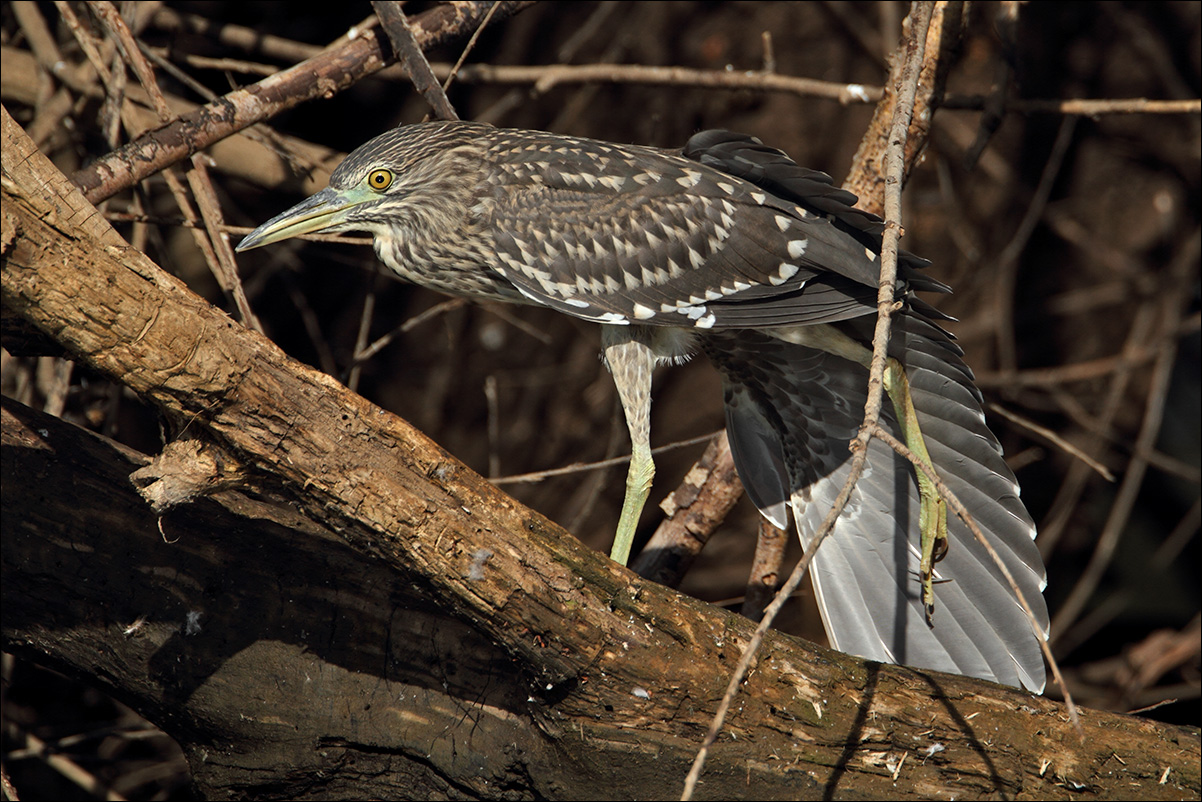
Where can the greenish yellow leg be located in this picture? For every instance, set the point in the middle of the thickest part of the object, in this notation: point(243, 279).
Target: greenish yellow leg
point(932, 515)
point(631, 360)
point(638, 487)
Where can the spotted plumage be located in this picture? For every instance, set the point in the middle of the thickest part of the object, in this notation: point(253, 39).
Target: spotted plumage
point(729, 247)
point(616, 235)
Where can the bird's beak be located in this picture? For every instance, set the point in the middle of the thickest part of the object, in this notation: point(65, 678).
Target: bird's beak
point(328, 209)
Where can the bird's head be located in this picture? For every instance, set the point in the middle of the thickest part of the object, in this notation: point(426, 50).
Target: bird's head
point(391, 184)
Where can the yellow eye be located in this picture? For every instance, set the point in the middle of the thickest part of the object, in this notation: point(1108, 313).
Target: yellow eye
point(379, 180)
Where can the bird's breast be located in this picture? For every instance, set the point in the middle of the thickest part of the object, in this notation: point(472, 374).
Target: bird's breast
point(444, 266)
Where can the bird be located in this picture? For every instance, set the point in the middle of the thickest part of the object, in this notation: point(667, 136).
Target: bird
point(729, 248)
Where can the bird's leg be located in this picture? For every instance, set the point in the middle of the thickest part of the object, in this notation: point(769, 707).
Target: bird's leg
point(631, 360)
point(932, 511)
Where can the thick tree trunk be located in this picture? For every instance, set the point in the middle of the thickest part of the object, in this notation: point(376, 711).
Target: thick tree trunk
point(316, 601)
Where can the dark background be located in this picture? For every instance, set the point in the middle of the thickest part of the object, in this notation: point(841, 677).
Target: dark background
point(1121, 209)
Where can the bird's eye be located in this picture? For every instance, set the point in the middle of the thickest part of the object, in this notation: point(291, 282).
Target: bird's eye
point(379, 180)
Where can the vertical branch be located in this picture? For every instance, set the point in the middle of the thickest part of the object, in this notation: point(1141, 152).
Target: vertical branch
point(410, 54)
point(915, 49)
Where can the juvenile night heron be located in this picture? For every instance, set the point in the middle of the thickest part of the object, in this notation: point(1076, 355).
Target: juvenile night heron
point(730, 248)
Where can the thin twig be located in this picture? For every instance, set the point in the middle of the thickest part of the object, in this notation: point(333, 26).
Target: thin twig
point(1007, 264)
point(366, 315)
point(1121, 600)
point(580, 467)
point(494, 425)
point(1054, 439)
point(85, 41)
point(547, 77)
point(1084, 107)
point(410, 54)
point(226, 269)
point(1175, 298)
point(1065, 374)
point(920, 18)
point(1071, 488)
point(250, 40)
point(218, 253)
point(471, 44)
point(362, 355)
point(325, 74)
point(107, 13)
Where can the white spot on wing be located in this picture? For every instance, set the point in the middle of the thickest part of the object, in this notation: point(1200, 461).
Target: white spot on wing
point(643, 312)
point(797, 247)
point(784, 272)
point(613, 318)
point(531, 296)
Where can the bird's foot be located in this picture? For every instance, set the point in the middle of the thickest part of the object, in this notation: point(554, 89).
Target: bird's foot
point(932, 517)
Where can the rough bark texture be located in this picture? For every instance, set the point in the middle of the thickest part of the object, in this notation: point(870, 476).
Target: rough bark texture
point(332, 606)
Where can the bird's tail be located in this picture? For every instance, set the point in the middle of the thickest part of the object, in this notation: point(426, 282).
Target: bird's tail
point(791, 411)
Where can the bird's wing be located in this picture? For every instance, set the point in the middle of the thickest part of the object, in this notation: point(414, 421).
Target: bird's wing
point(794, 409)
point(650, 237)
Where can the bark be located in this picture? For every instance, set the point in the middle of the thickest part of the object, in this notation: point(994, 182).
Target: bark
point(323, 603)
